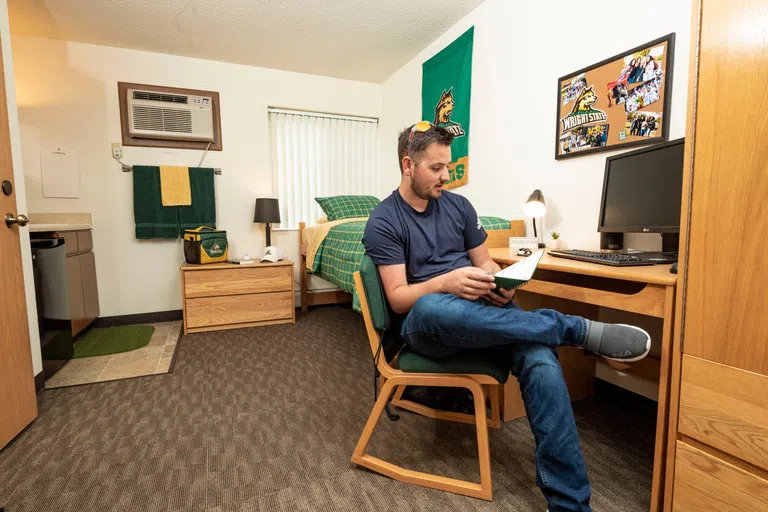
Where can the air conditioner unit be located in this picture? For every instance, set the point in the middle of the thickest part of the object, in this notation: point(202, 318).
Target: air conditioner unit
point(169, 116)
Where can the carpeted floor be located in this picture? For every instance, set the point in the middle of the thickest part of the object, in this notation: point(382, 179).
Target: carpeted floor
point(266, 419)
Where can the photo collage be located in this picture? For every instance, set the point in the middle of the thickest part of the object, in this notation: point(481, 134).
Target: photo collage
point(618, 101)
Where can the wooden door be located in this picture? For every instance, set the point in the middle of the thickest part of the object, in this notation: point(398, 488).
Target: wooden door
point(721, 445)
point(727, 270)
point(18, 404)
point(76, 299)
point(90, 288)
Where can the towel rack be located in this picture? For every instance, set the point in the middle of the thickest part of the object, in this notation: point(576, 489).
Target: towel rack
point(129, 168)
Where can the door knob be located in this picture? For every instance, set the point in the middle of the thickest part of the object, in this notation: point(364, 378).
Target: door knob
point(20, 219)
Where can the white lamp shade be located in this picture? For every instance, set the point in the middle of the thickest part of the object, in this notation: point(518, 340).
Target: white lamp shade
point(534, 209)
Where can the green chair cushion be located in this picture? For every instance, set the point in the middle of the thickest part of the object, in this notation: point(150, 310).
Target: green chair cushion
point(463, 362)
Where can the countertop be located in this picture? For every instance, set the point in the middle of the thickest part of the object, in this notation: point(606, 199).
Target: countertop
point(37, 228)
point(44, 222)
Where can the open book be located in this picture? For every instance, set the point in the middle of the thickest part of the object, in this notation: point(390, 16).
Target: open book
point(519, 273)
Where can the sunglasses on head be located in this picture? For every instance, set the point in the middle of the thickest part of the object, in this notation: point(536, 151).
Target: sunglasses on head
point(421, 127)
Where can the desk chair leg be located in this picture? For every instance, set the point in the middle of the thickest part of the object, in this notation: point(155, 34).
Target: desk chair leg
point(483, 490)
point(490, 390)
point(494, 392)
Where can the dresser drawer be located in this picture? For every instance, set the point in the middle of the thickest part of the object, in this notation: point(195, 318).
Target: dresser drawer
point(238, 309)
point(705, 483)
point(220, 282)
point(725, 407)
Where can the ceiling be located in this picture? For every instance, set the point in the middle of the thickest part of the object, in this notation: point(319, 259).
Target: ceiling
point(366, 40)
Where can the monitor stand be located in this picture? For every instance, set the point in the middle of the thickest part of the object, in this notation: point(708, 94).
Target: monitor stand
point(670, 242)
point(669, 247)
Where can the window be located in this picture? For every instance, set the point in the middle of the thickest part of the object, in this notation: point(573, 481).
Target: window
point(319, 155)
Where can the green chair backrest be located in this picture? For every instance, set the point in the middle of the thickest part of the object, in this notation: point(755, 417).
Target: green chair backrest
point(374, 292)
point(383, 318)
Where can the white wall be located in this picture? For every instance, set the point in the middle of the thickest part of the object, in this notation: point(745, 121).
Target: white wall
point(67, 97)
point(18, 178)
point(520, 50)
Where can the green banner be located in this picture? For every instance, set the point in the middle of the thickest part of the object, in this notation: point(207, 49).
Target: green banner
point(446, 88)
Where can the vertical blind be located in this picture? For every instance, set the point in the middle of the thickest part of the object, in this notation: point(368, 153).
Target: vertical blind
point(318, 155)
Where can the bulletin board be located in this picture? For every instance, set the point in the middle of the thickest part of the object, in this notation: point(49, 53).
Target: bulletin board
point(620, 102)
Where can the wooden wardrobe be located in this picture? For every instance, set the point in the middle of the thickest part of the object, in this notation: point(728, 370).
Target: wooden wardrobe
point(718, 443)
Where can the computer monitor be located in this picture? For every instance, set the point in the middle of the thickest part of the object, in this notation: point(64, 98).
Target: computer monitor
point(642, 192)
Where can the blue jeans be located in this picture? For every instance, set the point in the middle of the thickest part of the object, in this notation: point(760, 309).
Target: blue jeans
point(439, 325)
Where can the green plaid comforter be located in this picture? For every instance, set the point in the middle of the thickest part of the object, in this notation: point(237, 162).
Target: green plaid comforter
point(340, 254)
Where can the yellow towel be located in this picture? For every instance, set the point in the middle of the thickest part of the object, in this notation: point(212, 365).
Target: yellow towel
point(174, 185)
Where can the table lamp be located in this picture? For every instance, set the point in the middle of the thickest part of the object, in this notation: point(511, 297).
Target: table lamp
point(267, 212)
point(535, 207)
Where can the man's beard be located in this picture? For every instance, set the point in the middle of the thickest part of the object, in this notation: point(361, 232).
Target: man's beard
point(423, 192)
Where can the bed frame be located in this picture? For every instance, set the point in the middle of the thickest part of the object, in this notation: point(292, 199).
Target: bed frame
point(496, 238)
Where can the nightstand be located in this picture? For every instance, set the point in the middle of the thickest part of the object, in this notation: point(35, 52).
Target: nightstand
point(221, 296)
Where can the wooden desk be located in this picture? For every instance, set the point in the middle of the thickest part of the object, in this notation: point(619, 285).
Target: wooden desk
point(648, 290)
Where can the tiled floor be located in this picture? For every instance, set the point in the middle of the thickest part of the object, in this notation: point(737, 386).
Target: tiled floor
point(154, 358)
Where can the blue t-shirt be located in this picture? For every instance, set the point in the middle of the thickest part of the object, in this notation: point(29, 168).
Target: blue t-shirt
point(431, 242)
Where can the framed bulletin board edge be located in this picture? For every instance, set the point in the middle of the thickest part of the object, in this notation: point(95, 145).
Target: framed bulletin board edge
point(670, 40)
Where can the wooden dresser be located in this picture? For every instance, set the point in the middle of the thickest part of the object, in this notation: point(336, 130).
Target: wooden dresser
point(227, 296)
point(718, 443)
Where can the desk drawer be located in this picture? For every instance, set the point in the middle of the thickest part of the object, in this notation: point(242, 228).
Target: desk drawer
point(238, 309)
point(214, 283)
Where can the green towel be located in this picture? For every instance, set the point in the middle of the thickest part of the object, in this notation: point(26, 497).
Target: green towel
point(152, 219)
point(202, 212)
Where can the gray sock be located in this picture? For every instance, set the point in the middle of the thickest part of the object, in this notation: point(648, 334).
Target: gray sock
point(617, 341)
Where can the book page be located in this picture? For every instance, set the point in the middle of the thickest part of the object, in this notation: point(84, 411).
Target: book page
point(523, 269)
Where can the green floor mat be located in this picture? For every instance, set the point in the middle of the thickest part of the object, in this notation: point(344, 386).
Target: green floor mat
point(100, 341)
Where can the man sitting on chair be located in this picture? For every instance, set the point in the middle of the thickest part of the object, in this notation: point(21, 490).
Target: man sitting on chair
point(429, 247)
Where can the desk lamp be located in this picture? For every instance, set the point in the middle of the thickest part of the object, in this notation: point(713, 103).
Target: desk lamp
point(268, 212)
point(535, 207)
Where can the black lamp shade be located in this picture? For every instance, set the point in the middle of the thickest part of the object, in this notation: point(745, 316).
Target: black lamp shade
point(267, 211)
point(536, 195)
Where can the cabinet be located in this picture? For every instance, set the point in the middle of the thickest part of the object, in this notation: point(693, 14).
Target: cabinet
point(81, 279)
point(718, 444)
point(228, 296)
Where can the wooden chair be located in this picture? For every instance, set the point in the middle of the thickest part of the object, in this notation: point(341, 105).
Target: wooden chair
point(482, 377)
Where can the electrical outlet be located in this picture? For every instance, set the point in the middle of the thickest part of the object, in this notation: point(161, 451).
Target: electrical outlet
point(117, 150)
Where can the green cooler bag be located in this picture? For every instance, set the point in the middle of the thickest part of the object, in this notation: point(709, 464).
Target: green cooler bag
point(205, 245)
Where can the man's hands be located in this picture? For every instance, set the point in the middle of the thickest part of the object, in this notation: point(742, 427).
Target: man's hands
point(472, 283)
point(499, 297)
point(469, 283)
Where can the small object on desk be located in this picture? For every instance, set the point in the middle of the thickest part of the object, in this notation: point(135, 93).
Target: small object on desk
point(524, 251)
point(673, 268)
point(243, 261)
point(271, 253)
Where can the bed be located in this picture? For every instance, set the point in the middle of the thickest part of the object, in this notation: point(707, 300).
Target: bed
point(333, 251)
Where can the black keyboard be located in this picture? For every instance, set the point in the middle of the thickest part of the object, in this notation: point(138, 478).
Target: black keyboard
point(604, 258)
